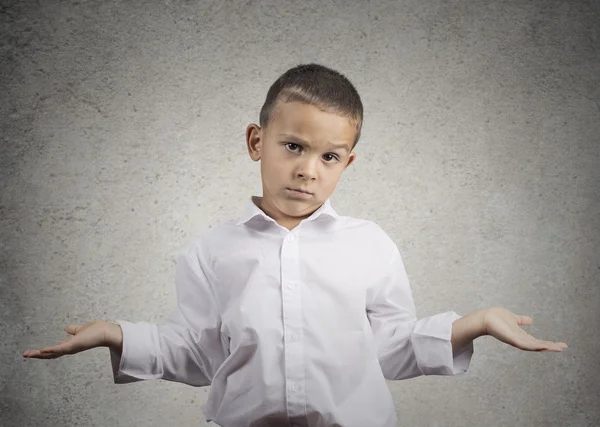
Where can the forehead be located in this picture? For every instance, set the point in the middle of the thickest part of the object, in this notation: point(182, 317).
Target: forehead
point(307, 122)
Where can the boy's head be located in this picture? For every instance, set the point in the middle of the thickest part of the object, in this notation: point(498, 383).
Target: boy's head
point(308, 110)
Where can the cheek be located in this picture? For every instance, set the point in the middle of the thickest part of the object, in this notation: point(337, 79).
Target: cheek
point(333, 180)
point(280, 166)
point(275, 169)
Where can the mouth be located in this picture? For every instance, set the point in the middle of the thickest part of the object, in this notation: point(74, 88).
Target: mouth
point(299, 192)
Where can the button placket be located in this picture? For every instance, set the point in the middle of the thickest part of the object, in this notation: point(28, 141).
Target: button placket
point(292, 323)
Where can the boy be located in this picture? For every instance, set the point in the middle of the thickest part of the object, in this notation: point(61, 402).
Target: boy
point(294, 315)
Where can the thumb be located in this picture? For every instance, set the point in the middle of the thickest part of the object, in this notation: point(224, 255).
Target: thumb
point(71, 329)
point(524, 320)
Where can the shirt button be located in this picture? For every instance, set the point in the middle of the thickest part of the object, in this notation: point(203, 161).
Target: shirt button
point(294, 337)
point(294, 388)
point(292, 285)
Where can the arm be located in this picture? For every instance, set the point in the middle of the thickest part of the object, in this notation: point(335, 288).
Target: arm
point(408, 347)
point(188, 347)
point(437, 345)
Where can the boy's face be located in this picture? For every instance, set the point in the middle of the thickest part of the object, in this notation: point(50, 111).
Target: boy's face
point(296, 152)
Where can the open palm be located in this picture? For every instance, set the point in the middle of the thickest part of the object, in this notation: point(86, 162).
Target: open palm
point(83, 337)
point(506, 327)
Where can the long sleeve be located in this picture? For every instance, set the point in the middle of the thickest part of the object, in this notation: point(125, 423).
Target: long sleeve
point(408, 347)
point(189, 347)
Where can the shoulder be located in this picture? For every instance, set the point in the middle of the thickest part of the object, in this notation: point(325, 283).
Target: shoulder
point(210, 242)
point(371, 235)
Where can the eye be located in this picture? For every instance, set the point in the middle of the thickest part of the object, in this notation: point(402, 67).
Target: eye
point(291, 143)
point(297, 145)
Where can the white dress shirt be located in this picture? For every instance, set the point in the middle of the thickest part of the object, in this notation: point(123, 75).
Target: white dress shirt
point(293, 327)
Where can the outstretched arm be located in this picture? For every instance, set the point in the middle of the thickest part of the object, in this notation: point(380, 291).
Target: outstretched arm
point(406, 346)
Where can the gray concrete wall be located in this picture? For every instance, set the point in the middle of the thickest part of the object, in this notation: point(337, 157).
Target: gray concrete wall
point(122, 131)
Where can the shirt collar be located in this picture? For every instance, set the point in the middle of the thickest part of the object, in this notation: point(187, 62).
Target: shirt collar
point(252, 210)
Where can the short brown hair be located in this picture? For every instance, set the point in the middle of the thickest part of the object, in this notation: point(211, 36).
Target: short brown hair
point(316, 85)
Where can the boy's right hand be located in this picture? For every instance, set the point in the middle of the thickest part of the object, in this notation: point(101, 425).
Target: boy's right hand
point(97, 333)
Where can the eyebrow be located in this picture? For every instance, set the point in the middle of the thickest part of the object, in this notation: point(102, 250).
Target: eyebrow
point(298, 139)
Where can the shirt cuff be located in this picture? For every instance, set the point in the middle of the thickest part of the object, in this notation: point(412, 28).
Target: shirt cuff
point(432, 345)
point(140, 356)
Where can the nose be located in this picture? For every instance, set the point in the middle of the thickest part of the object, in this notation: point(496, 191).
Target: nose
point(308, 168)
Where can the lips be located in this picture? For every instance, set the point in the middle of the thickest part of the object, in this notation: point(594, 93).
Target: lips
point(297, 189)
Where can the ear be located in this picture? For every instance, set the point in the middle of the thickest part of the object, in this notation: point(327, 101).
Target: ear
point(254, 141)
point(351, 159)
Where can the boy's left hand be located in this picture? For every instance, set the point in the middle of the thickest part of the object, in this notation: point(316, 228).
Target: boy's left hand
point(505, 326)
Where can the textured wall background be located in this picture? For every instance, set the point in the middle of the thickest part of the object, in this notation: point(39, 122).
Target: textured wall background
point(122, 129)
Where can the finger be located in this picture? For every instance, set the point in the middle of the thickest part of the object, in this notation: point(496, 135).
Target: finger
point(533, 344)
point(523, 320)
point(553, 346)
point(73, 329)
point(37, 354)
point(76, 329)
point(549, 345)
point(56, 350)
point(59, 350)
point(60, 347)
point(561, 345)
